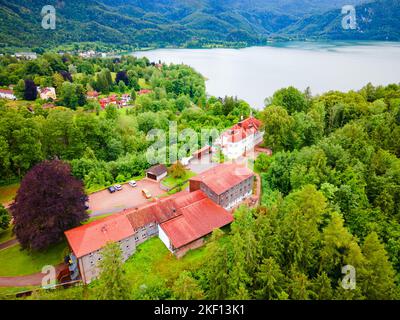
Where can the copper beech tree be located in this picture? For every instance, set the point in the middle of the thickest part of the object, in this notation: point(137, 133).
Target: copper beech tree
point(49, 201)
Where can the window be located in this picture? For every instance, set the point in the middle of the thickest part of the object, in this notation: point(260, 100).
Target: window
point(136, 238)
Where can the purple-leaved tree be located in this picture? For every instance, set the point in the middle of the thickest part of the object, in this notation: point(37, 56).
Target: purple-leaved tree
point(49, 201)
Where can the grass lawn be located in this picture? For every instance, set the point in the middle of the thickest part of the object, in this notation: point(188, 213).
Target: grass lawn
point(5, 291)
point(97, 218)
point(6, 235)
point(153, 263)
point(17, 262)
point(7, 193)
point(172, 182)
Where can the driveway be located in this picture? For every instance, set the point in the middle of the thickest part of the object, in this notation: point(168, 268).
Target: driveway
point(25, 281)
point(104, 202)
point(201, 165)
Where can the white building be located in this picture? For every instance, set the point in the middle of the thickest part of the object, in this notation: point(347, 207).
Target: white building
point(241, 138)
point(7, 94)
point(26, 55)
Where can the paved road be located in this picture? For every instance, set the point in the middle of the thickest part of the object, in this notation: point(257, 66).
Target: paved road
point(25, 281)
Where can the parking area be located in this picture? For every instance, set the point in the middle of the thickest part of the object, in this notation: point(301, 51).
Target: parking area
point(104, 202)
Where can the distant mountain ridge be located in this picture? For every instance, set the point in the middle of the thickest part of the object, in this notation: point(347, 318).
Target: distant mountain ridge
point(377, 20)
point(191, 23)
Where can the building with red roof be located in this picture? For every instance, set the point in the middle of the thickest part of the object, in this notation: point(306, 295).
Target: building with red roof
point(181, 221)
point(92, 95)
point(7, 94)
point(227, 184)
point(241, 138)
point(144, 91)
point(87, 241)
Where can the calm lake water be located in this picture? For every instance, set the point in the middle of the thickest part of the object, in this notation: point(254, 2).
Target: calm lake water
point(255, 73)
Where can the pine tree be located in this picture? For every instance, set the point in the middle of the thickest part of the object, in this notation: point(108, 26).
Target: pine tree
point(187, 288)
point(270, 280)
point(322, 287)
point(113, 284)
point(217, 267)
point(379, 283)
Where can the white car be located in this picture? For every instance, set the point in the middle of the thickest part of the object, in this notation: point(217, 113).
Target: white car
point(133, 183)
point(118, 187)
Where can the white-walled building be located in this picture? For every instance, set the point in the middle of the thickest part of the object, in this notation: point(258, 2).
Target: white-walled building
point(241, 138)
point(7, 94)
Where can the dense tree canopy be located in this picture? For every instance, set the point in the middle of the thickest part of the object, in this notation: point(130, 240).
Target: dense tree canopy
point(48, 202)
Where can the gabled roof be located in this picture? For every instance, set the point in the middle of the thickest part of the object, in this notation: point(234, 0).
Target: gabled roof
point(196, 220)
point(95, 235)
point(185, 216)
point(224, 177)
point(6, 91)
point(157, 169)
point(242, 130)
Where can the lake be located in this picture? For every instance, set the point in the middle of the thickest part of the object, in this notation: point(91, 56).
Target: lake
point(254, 73)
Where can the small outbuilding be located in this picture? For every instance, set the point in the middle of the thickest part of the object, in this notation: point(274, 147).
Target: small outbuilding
point(157, 172)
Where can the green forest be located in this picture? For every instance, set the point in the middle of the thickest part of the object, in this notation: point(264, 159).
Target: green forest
point(331, 190)
point(103, 146)
point(136, 24)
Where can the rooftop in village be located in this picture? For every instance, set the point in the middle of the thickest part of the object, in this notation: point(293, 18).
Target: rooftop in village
point(223, 177)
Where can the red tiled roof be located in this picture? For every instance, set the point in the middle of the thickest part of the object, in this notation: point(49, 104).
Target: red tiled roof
point(243, 129)
point(144, 91)
point(95, 235)
point(192, 216)
point(196, 220)
point(92, 94)
point(223, 177)
point(6, 91)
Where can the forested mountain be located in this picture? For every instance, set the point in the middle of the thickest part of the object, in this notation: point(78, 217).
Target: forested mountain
point(379, 20)
point(189, 23)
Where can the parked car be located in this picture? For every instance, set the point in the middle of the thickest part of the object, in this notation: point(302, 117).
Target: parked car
point(118, 187)
point(133, 183)
point(111, 189)
point(146, 193)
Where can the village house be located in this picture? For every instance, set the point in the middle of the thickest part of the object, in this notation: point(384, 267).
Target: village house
point(92, 95)
point(181, 221)
point(227, 184)
point(26, 55)
point(7, 94)
point(144, 91)
point(47, 93)
point(241, 138)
